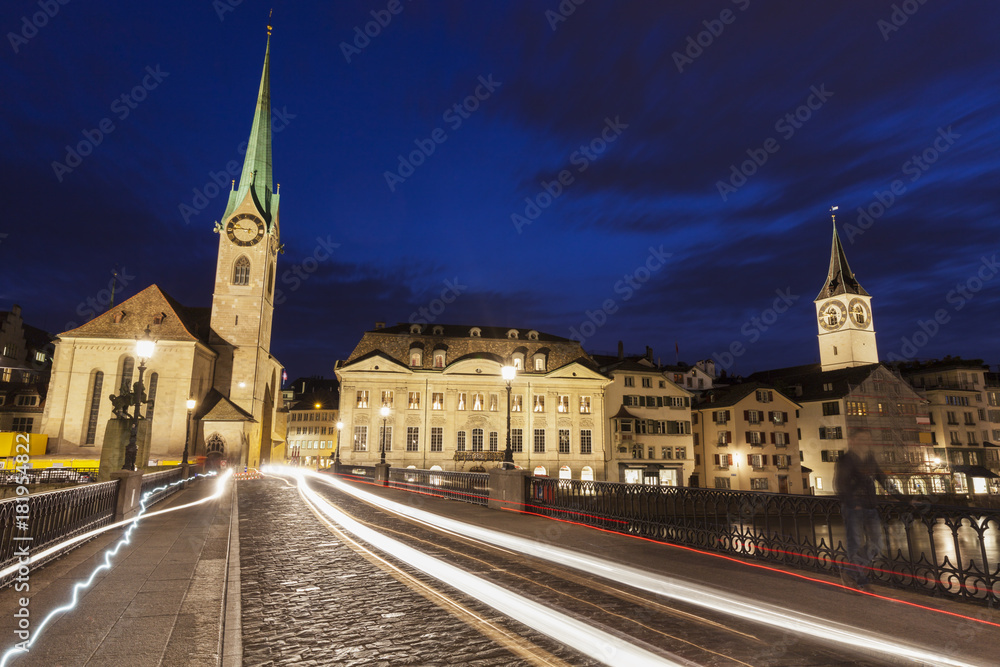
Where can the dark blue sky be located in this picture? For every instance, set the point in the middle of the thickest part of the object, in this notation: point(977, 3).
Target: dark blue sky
point(643, 109)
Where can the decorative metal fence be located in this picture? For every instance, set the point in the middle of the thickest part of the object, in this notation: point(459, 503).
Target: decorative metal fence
point(471, 487)
point(52, 517)
point(151, 483)
point(953, 551)
point(47, 475)
point(358, 472)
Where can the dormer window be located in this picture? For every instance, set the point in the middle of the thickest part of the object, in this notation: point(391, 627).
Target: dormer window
point(475, 332)
point(532, 335)
point(517, 360)
point(416, 357)
point(512, 334)
point(159, 317)
point(118, 317)
point(538, 362)
point(438, 330)
point(415, 329)
point(439, 358)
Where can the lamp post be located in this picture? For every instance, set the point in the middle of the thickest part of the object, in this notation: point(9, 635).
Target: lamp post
point(187, 436)
point(508, 373)
point(336, 456)
point(144, 348)
point(385, 414)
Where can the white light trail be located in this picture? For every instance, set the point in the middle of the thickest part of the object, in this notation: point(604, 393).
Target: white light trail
point(811, 626)
point(110, 553)
point(586, 639)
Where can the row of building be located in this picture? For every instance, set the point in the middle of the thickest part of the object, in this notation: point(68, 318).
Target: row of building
point(620, 418)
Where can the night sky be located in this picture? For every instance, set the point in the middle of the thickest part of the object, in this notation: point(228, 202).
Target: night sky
point(629, 171)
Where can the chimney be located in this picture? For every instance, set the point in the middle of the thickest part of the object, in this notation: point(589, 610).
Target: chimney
point(649, 353)
point(380, 325)
point(621, 350)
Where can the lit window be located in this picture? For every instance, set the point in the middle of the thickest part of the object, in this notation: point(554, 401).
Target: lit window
point(386, 399)
point(437, 401)
point(539, 403)
point(414, 400)
point(363, 398)
point(494, 402)
point(563, 405)
point(477, 403)
point(439, 358)
point(564, 441)
point(361, 438)
point(585, 405)
point(477, 439)
point(515, 403)
point(540, 363)
point(460, 444)
point(416, 357)
point(461, 400)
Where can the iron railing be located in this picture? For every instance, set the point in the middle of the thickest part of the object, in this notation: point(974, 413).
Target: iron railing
point(953, 551)
point(152, 482)
point(357, 472)
point(47, 475)
point(53, 516)
point(471, 487)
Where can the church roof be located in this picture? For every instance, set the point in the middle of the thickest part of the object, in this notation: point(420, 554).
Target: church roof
point(166, 318)
point(256, 176)
point(839, 279)
point(218, 408)
point(806, 383)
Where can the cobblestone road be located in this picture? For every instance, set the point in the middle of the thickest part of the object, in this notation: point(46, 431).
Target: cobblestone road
point(309, 599)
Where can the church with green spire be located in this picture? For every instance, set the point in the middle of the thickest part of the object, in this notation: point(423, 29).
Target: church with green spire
point(219, 357)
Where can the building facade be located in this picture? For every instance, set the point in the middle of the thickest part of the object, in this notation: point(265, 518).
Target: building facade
point(747, 440)
point(447, 402)
point(649, 424)
point(25, 364)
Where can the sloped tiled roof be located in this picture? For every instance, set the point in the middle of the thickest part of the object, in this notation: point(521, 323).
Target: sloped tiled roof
point(810, 379)
point(729, 396)
point(218, 408)
point(179, 324)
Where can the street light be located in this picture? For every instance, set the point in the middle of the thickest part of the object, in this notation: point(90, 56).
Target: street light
point(187, 436)
point(385, 413)
point(508, 373)
point(336, 457)
point(144, 348)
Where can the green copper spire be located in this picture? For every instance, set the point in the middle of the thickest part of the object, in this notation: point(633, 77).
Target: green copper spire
point(256, 175)
point(839, 279)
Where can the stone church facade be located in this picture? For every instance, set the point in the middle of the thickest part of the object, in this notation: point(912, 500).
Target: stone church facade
point(218, 356)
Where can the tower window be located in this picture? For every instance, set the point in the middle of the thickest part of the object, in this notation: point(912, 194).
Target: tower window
point(241, 271)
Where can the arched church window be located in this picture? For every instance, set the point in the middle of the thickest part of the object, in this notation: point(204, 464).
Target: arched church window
point(128, 365)
point(241, 271)
point(215, 444)
point(154, 379)
point(95, 407)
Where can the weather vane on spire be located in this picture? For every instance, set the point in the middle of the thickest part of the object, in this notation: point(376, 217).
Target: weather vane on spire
point(833, 214)
point(271, 11)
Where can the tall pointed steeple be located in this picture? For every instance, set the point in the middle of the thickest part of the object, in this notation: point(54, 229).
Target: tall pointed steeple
point(839, 279)
point(844, 315)
point(256, 175)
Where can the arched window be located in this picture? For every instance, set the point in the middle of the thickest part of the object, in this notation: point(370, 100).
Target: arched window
point(416, 357)
point(587, 474)
point(439, 358)
point(128, 364)
point(151, 394)
point(96, 385)
point(215, 444)
point(241, 271)
point(565, 472)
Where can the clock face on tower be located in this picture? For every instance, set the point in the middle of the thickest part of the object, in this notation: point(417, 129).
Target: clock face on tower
point(860, 314)
point(832, 315)
point(245, 229)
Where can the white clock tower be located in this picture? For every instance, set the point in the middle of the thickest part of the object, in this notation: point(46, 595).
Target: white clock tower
point(844, 316)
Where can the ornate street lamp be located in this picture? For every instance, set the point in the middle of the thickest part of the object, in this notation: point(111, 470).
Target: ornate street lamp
point(385, 413)
point(336, 457)
point(508, 373)
point(144, 348)
point(187, 436)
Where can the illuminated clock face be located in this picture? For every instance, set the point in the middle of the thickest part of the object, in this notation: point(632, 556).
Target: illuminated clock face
point(245, 229)
point(832, 315)
point(860, 314)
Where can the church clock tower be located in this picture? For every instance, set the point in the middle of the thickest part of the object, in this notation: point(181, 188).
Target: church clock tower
point(243, 301)
point(844, 316)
